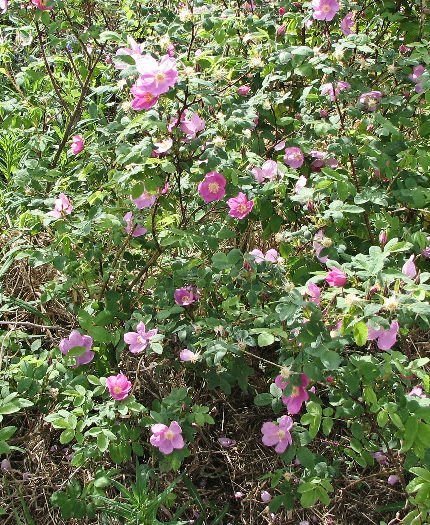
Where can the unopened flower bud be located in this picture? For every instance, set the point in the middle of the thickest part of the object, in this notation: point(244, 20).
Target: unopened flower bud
point(383, 237)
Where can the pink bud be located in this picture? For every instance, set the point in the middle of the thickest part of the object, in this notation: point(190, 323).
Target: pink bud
point(383, 237)
point(310, 206)
point(404, 49)
point(392, 480)
point(298, 116)
point(329, 379)
point(108, 59)
point(324, 113)
point(281, 30)
point(5, 465)
point(281, 11)
point(243, 90)
point(265, 496)
point(374, 289)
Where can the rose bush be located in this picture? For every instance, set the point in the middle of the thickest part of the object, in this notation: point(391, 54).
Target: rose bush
point(234, 207)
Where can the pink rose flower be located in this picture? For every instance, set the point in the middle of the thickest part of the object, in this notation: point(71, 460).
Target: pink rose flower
point(139, 340)
point(167, 438)
point(3, 6)
point(259, 256)
point(278, 435)
point(119, 386)
point(324, 9)
point(370, 99)
point(77, 145)
point(143, 99)
point(192, 125)
point(156, 77)
point(186, 296)
point(137, 230)
point(164, 146)
point(393, 479)
point(146, 200)
point(268, 170)
point(294, 157)
point(298, 395)
point(240, 206)
point(347, 24)
point(74, 340)
point(135, 50)
point(266, 496)
point(187, 356)
point(417, 391)
point(385, 338)
point(300, 184)
point(336, 277)
point(212, 187)
point(332, 89)
point(41, 4)
point(417, 73)
point(409, 269)
point(243, 90)
point(62, 207)
point(314, 293)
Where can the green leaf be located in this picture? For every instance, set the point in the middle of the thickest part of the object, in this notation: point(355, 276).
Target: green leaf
point(262, 400)
point(265, 339)
point(360, 332)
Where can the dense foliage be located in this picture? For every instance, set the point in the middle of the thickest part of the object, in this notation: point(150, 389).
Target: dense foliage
point(209, 205)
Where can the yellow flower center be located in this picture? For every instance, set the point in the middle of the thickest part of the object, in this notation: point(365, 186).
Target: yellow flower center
point(295, 392)
point(280, 434)
point(186, 299)
point(242, 208)
point(160, 76)
point(213, 187)
point(117, 390)
point(169, 434)
point(325, 8)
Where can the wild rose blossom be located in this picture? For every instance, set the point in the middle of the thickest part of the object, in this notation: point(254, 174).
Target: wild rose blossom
point(243, 90)
point(3, 6)
point(139, 340)
point(226, 442)
point(385, 339)
point(332, 89)
point(167, 438)
point(156, 77)
point(146, 200)
point(259, 257)
point(336, 277)
point(370, 99)
point(416, 75)
point(409, 269)
point(186, 296)
point(137, 230)
point(268, 170)
point(294, 157)
point(417, 391)
point(298, 395)
point(314, 293)
point(41, 4)
point(347, 23)
point(74, 340)
point(163, 146)
point(322, 159)
point(62, 207)
point(143, 99)
point(77, 145)
point(135, 50)
point(300, 184)
point(240, 206)
point(212, 187)
point(187, 356)
point(266, 496)
point(119, 386)
point(318, 247)
point(278, 435)
point(192, 125)
point(324, 9)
